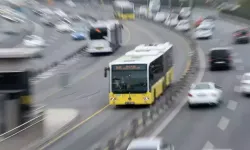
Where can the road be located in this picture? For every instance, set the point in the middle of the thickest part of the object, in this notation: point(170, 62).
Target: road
point(91, 98)
point(225, 127)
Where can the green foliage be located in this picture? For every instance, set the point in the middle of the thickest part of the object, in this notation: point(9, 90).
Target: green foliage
point(245, 4)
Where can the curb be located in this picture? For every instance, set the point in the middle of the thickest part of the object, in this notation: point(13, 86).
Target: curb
point(138, 126)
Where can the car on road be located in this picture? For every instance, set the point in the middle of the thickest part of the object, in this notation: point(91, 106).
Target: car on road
point(78, 36)
point(185, 12)
point(143, 11)
point(210, 18)
point(241, 36)
point(75, 17)
point(47, 20)
point(245, 84)
point(203, 32)
point(160, 17)
point(47, 11)
point(183, 25)
point(63, 27)
point(60, 13)
point(70, 3)
point(33, 41)
point(150, 144)
point(220, 57)
point(207, 24)
point(37, 11)
point(205, 93)
point(172, 20)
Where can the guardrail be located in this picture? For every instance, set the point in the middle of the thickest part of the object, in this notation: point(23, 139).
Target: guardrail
point(138, 126)
point(38, 117)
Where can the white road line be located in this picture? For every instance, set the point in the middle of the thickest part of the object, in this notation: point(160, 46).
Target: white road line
point(223, 123)
point(238, 77)
point(232, 105)
point(208, 146)
point(167, 120)
point(240, 68)
point(238, 60)
point(237, 89)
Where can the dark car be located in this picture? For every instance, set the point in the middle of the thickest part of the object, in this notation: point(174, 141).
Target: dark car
point(210, 18)
point(241, 36)
point(220, 58)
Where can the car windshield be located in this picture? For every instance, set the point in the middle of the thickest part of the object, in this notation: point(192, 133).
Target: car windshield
point(202, 29)
point(129, 78)
point(98, 33)
point(219, 53)
point(183, 23)
point(29, 38)
point(202, 86)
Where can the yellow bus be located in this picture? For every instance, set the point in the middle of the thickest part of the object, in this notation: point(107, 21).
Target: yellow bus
point(124, 10)
point(141, 75)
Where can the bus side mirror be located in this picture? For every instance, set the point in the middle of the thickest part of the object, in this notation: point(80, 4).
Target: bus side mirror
point(105, 71)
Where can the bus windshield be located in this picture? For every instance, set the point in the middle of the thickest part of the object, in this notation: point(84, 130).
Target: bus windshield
point(127, 10)
point(129, 80)
point(98, 33)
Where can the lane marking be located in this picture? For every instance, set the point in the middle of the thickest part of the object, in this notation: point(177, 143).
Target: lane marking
point(173, 114)
point(238, 60)
point(74, 128)
point(232, 105)
point(223, 123)
point(208, 146)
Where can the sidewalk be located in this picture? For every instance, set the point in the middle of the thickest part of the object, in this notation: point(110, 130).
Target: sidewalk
point(55, 122)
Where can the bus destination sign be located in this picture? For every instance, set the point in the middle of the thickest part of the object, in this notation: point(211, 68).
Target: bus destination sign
point(129, 67)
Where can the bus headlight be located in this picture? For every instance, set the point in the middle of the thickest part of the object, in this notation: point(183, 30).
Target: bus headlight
point(112, 98)
point(145, 98)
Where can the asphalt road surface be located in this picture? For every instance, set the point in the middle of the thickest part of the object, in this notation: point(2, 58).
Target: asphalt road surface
point(89, 93)
point(224, 127)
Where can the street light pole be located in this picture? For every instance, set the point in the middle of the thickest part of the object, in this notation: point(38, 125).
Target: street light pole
point(170, 8)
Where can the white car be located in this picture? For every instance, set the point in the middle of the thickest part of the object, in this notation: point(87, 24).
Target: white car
point(204, 93)
point(149, 144)
point(60, 13)
point(183, 25)
point(33, 41)
point(207, 24)
point(63, 27)
point(203, 33)
point(185, 12)
point(245, 84)
point(160, 17)
point(70, 3)
point(143, 10)
point(150, 15)
point(47, 11)
point(171, 21)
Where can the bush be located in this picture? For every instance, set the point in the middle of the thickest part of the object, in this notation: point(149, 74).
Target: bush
point(241, 12)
